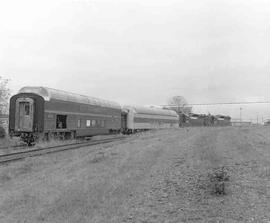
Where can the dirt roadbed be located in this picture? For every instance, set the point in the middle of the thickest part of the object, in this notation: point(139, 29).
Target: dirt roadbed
point(160, 176)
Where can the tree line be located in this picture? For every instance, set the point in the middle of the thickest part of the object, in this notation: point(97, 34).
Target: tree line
point(4, 95)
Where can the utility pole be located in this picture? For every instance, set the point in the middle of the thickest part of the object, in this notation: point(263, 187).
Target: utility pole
point(240, 116)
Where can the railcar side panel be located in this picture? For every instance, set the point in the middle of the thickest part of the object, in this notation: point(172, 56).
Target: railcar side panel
point(84, 119)
point(153, 119)
point(154, 123)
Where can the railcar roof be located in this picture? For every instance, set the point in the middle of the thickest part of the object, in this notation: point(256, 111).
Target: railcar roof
point(152, 111)
point(50, 93)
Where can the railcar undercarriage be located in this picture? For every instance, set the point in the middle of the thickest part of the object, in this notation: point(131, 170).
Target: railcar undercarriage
point(29, 138)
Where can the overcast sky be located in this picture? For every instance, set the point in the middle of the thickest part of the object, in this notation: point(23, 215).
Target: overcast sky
point(142, 51)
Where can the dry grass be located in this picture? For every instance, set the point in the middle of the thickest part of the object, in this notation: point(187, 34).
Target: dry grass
point(200, 175)
point(52, 142)
point(5, 142)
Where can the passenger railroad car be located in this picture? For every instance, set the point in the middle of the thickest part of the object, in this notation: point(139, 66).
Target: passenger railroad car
point(37, 112)
point(143, 118)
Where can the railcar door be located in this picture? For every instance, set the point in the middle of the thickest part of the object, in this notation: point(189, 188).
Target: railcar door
point(25, 115)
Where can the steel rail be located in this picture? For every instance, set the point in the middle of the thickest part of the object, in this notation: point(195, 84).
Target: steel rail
point(4, 158)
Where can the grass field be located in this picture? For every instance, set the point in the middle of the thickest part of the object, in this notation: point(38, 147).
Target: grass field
point(5, 142)
point(160, 176)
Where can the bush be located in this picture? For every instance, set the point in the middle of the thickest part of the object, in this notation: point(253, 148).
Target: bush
point(2, 132)
point(218, 178)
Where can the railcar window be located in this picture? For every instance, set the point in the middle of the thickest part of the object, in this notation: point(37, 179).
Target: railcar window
point(27, 109)
point(93, 123)
point(79, 123)
point(50, 116)
point(102, 123)
point(88, 123)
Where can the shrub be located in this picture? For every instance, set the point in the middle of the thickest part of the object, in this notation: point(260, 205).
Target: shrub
point(2, 132)
point(218, 177)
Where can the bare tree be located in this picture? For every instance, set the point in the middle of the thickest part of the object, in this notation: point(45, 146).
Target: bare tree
point(4, 95)
point(179, 104)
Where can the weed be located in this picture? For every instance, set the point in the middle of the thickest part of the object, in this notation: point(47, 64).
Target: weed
point(4, 178)
point(218, 178)
point(99, 156)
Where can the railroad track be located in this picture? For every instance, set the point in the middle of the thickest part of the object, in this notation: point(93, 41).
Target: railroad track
point(5, 158)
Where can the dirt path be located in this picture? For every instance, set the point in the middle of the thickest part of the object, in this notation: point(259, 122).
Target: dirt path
point(162, 176)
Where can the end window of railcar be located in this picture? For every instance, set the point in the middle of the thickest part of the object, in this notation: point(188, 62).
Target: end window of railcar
point(102, 123)
point(79, 123)
point(27, 109)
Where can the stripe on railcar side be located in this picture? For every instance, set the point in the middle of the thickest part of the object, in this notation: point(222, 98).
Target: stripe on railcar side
point(154, 125)
point(82, 114)
point(155, 117)
point(144, 120)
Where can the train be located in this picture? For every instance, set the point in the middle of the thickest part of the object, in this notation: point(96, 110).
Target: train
point(143, 118)
point(204, 120)
point(43, 113)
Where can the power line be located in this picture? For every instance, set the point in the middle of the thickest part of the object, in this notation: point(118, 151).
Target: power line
point(222, 103)
point(233, 103)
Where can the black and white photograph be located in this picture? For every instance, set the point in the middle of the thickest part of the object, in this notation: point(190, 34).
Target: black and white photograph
point(134, 111)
